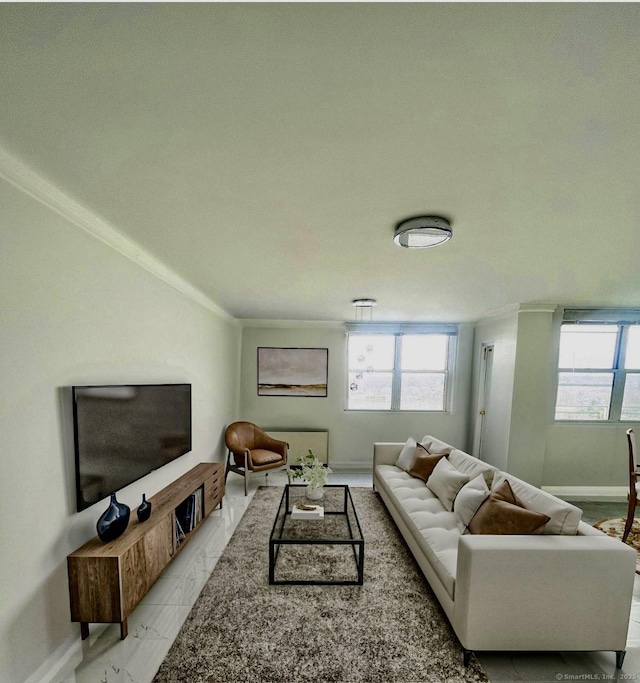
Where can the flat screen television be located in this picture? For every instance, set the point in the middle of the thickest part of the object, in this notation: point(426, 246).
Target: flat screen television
point(121, 433)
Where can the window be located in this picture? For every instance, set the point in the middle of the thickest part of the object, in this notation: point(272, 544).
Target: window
point(398, 371)
point(599, 372)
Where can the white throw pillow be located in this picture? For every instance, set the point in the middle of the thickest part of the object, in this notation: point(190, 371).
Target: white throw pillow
point(564, 518)
point(407, 454)
point(445, 481)
point(469, 499)
point(434, 446)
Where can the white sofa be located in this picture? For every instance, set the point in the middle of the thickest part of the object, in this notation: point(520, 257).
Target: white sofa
point(512, 592)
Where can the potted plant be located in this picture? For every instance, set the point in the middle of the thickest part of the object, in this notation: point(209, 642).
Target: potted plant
point(313, 472)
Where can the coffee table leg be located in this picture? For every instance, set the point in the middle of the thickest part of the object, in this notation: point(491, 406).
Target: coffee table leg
point(272, 562)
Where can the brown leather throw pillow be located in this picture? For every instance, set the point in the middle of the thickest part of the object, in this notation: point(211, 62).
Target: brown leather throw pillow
point(503, 513)
point(424, 463)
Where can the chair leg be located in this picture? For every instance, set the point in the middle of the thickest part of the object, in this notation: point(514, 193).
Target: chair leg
point(228, 467)
point(630, 517)
point(243, 472)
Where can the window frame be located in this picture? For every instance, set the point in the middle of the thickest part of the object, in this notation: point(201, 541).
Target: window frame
point(617, 369)
point(396, 381)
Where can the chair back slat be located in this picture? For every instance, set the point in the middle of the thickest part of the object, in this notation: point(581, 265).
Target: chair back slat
point(633, 458)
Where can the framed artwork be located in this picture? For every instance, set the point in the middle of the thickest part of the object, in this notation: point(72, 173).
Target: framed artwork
point(292, 372)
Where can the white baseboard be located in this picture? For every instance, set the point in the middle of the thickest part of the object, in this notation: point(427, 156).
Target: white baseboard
point(609, 494)
point(66, 656)
point(58, 660)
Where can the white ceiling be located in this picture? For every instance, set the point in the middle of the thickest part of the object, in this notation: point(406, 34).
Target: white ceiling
point(265, 151)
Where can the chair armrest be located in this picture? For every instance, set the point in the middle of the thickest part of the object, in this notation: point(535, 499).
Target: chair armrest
point(270, 444)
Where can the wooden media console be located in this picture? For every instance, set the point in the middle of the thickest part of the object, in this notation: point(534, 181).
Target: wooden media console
point(108, 580)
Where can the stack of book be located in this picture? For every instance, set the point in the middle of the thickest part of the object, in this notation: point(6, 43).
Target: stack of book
point(303, 511)
point(188, 515)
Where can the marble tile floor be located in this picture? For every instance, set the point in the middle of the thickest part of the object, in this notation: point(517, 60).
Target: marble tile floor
point(155, 623)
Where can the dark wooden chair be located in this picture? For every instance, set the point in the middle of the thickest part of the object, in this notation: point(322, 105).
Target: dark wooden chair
point(634, 483)
point(252, 450)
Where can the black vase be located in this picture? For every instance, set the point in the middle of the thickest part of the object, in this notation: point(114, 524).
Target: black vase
point(144, 511)
point(113, 520)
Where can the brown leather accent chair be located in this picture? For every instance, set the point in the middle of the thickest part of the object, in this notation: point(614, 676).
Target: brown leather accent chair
point(253, 450)
point(634, 483)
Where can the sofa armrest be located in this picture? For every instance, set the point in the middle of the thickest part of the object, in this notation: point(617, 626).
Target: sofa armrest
point(537, 589)
point(386, 453)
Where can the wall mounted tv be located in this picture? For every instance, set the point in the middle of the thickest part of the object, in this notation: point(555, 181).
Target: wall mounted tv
point(122, 433)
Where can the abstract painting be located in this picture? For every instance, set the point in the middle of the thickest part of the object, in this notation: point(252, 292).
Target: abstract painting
point(292, 372)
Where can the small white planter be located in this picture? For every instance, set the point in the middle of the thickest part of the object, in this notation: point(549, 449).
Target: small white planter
point(315, 494)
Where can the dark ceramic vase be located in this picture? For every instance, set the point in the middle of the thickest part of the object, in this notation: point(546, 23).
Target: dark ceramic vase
point(144, 511)
point(113, 521)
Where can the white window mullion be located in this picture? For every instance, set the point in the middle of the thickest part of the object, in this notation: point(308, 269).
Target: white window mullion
point(451, 359)
point(619, 375)
point(396, 387)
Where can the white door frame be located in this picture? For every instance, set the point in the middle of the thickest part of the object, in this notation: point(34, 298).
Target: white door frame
point(484, 385)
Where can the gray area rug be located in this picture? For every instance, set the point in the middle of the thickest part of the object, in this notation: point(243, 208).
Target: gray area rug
point(391, 629)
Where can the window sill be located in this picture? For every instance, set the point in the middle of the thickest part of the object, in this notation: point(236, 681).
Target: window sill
point(398, 412)
point(583, 423)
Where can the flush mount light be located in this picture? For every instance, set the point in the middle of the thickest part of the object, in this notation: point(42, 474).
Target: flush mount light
point(364, 303)
point(422, 232)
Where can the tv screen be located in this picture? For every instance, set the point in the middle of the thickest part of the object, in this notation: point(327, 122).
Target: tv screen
point(124, 432)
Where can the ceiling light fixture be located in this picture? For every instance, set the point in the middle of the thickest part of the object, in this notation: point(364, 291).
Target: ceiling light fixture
point(422, 232)
point(362, 305)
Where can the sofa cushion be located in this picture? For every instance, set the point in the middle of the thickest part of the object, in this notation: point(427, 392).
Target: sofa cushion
point(433, 528)
point(437, 534)
point(503, 513)
point(445, 481)
point(564, 517)
point(469, 499)
point(424, 463)
point(440, 545)
point(393, 478)
point(434, 446)
point(470, 465)
point(404, 487)
point(418, 506)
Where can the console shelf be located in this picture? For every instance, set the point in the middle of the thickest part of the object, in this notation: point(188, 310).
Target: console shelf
point(108, 580)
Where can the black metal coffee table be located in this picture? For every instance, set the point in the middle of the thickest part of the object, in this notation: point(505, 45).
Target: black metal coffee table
point(321, 550)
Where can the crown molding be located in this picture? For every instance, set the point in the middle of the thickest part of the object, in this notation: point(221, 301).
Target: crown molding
point(515, 310)
point(277, 323)
point(537, 308)
point(18, 174)
point(504, 312)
